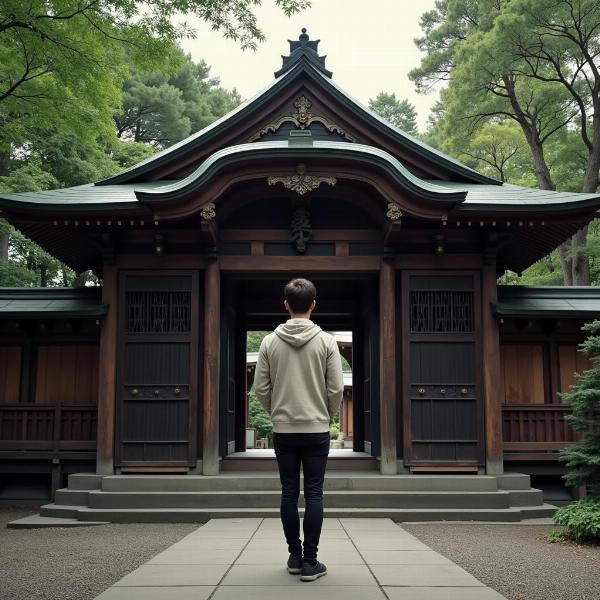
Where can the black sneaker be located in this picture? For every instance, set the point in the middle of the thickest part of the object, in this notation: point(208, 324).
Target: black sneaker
point(294, 564)
point(312, 572)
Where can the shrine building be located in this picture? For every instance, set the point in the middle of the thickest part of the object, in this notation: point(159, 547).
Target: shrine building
point(452, 374)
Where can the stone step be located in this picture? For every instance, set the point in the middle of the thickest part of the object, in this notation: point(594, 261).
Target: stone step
point(89, 516)
point(40, 522)
point(84, 481)
point(530, 497)
point(196, 515)
point(66, 511)
point(513, 481)
point(66, 496)
point(271, 499)
point(265, 482)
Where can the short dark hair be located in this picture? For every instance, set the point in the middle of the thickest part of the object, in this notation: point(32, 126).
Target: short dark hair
point(300, 294)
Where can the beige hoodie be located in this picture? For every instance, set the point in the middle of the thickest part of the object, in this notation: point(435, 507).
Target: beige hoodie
point(298, 377)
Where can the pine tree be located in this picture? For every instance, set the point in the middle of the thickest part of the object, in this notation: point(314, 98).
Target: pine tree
point(583, 457)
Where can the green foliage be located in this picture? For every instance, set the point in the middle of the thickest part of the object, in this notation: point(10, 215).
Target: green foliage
point(583, 457)
point(400, 113)
point(521, 84)
point(126, 154)
point(334, 431)
point(259, 418)
point(555, 536)
point(160, 110)
point(253, 340)
point(496, 149)
point(582, 520)
point(13, 274)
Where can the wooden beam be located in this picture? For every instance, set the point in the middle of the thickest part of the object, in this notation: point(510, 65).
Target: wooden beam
point(342, 249)
point(299, 264)
point(493, 387)
point(432, 261)
point(210, 423)
point(387, 336)
point(107, 369)
point(169, 261)
point(283, 235)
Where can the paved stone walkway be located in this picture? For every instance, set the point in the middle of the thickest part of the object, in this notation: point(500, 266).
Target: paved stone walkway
point(244, 559)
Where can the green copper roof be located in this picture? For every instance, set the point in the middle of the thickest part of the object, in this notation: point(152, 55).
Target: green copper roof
point(36, 303)
point(464, 197)
point(510, 197)
point(316, 149)
point(316, 74)
point(548, 301)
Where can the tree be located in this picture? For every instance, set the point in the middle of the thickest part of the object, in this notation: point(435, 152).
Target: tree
point(497, 149)
point(478, 48)
point(557, 43)
point(161, 110)
point(400, 113)
point(583, 457)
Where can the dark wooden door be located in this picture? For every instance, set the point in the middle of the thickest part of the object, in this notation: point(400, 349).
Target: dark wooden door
point(369, 348)
point(157, 379)
point(442, 403)
point(227, 379)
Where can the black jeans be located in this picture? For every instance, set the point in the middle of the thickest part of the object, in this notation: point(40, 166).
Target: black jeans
point(312, 450)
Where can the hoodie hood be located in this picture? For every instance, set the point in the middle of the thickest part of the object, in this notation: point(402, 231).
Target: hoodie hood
point(297, 332)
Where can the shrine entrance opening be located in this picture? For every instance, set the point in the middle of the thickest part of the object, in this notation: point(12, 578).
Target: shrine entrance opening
point(347, 306)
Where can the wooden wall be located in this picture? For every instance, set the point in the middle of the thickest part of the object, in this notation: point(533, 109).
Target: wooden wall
point(571, 360)
point(66, 374)
point(61, 373)
point(10, 370)
point(529, 369)
point(522, 366)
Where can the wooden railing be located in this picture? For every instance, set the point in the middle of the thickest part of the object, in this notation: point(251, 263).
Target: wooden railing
point(535, 431)
point(46, 427)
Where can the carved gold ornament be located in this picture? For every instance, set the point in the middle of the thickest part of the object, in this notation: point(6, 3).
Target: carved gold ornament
point(301, 182)
point(394, 213)
point(208, 212)
point(302, 118)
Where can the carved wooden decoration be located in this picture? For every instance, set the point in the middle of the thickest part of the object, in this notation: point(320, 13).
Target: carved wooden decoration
point(301, 183)
point(301, 228)
point(394, 213)
point(208, 212)
point(302, 118)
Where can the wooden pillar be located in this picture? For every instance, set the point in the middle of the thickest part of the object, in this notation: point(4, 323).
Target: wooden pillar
point(493, 387)
point(107, 374)
point(387, 368)
point(210, 423)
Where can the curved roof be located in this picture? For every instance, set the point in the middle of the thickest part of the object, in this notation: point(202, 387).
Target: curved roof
point(316, 149)
point(237, 115)
point(32, 303)
point(466, 197)
point(548, 301)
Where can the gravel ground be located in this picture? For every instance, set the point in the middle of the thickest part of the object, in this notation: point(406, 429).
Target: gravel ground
point(75, 563)
point(516, 560)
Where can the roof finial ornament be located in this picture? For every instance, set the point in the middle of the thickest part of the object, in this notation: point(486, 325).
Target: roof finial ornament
point(304, 49)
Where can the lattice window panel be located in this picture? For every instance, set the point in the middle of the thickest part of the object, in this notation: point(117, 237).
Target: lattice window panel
point(158, 312)
point(441, 311)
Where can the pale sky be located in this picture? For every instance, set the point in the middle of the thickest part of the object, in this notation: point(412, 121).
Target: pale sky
point(369, 47)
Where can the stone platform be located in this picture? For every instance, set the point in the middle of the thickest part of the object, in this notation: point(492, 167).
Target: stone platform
point(244, 559)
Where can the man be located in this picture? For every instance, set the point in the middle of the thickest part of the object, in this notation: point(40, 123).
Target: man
point(299, 381)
